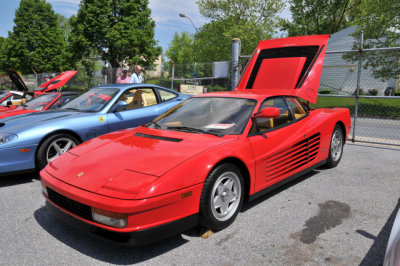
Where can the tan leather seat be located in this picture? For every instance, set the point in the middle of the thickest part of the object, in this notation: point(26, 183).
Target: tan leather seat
point(138, 101)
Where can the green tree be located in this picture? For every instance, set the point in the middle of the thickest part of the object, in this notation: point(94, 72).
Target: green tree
point(249, 20)
point(181, 49)
point(36, 42)
point(116, 30)
point(380, 22)
point(311, 17)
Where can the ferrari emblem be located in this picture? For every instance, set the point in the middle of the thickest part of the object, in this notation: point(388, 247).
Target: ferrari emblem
point(101, 119)
point(80, 174)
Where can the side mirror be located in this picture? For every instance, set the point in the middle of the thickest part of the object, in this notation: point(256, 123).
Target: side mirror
point(9, 103)
point(118, 106)
point(268, 112)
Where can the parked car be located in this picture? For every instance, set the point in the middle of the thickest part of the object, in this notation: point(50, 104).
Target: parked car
point(13, 98)
point(30, 141)
point(48, 101)
point(8, 98)
point(392, 256)
point(198, 162)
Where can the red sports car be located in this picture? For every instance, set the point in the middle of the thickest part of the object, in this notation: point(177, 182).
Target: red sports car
point(10, 99)
point(47, 101)
point(198, 162)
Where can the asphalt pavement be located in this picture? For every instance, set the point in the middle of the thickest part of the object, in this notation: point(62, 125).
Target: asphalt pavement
point(339, 216)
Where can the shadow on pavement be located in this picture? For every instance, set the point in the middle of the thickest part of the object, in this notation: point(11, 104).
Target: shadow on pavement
point(376, 253)
point(11, 180)
point(251, 204)
point(102, 250)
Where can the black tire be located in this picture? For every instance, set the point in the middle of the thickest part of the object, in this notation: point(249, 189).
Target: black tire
point(47, 150)
point(335, 147)
point(219, 215)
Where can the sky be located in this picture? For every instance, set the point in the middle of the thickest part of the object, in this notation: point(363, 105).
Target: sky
point(164, 12)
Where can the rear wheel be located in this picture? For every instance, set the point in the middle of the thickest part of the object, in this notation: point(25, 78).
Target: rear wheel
point(222, 197)
point(336, 147)
point(53, 147)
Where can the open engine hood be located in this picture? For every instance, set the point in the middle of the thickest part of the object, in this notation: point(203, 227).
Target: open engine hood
point(291, 65)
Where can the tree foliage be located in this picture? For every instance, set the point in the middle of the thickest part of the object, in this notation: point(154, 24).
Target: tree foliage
point(181, 49)
point(116, 30)
point(36, 42)
point(249, 20)
point(311, 17)
point(380, 22)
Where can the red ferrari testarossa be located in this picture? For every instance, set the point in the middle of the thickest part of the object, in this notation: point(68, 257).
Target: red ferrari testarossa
point(198, 162)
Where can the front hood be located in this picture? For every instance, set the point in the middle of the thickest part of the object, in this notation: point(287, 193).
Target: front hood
point(291, 65)
point(17, 80)
point(15, 124)
point(58, 81)
point(130, 157)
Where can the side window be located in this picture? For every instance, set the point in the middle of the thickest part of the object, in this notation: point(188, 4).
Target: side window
point(138, 98)
point(285, 117)
point(166, 95)
point(297, 108)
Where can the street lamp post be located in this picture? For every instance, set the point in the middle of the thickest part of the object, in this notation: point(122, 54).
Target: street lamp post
point(184, 16)
point(197, 31)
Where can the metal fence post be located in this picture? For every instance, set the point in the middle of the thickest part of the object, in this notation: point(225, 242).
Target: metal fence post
point(172, 76)
point(235, 62)
point(358, 85)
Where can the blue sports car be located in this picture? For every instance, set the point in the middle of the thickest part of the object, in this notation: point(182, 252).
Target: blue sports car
point(28, 142)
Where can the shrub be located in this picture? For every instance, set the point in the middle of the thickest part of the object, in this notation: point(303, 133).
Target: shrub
point(361, 92)
point(373, 92)
point(324, 91)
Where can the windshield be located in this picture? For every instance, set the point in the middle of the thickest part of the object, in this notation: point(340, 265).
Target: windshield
point(212, 115)
point(3, 94)
point(91, 101)
point(40, 102)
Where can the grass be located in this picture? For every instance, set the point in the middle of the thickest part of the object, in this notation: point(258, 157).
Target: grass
point(384, 108)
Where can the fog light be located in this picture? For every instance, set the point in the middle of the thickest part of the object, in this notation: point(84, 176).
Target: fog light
point(110, 218)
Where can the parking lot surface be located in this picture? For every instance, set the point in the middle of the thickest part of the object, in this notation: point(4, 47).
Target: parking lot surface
point(340, 216)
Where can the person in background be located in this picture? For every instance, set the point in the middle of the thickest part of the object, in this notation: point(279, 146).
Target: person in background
point(46, 78)
point(136, 77)
point(124, 78)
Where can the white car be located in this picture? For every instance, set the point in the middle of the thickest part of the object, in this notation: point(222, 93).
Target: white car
point(392, 256)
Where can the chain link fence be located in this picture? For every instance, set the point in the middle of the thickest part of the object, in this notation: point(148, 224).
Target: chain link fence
point(368, 88)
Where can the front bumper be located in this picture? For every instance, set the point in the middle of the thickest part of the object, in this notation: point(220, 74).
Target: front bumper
point(17, 159)
point(149, 219)
point(136, 238)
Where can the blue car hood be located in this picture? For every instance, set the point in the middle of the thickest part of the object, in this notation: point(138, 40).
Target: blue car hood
point(14, 124)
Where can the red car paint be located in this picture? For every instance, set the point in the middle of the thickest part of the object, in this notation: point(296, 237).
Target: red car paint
point(157, 175)
point(45, 105)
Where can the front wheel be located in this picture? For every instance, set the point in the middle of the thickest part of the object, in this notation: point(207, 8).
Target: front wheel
point(53, 147)
point(336, 147)
point(222, 197)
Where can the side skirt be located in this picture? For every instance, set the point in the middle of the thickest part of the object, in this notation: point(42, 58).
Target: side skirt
point(286, 180)
point(18, 172)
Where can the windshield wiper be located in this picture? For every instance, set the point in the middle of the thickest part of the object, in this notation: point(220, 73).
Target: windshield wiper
point(196, 130)
point(153, 123)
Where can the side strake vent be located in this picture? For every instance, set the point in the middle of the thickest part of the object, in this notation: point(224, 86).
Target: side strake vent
point(296, 156)
point(157, 137)
point(2, 124)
